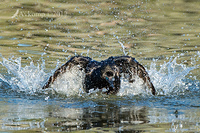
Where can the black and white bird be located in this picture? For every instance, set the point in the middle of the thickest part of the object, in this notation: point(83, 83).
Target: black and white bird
point(106, 74)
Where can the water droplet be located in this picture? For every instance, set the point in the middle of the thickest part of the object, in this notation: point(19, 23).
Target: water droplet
point(46, 98)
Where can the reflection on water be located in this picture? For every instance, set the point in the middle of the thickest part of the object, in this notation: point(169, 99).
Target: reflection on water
point(36, 37)
point(100, 116)
point(55, 116)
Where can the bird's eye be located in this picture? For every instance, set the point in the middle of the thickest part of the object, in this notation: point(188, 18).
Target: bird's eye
point(109, 74)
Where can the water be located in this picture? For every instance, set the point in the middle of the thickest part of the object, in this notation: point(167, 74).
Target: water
point(36, 37)
point(73, 109)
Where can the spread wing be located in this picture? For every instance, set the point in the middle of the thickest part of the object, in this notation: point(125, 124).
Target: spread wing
point(130, 66)
point(75, 62)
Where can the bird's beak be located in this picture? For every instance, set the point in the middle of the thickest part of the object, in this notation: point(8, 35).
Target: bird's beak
point(110, 81)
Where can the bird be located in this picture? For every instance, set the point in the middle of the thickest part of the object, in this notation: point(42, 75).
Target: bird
point(102, 74)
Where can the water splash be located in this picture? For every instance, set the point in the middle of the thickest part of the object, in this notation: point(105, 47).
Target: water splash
point(122, 45)
point(168, 79)
point(135, 88)
point(27, 79)
point(70, 83)
point(123, 48)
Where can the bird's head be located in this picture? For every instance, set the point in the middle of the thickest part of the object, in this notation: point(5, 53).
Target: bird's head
point(111, 74)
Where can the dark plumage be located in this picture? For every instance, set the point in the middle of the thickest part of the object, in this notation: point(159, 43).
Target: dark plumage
point(104, 74)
